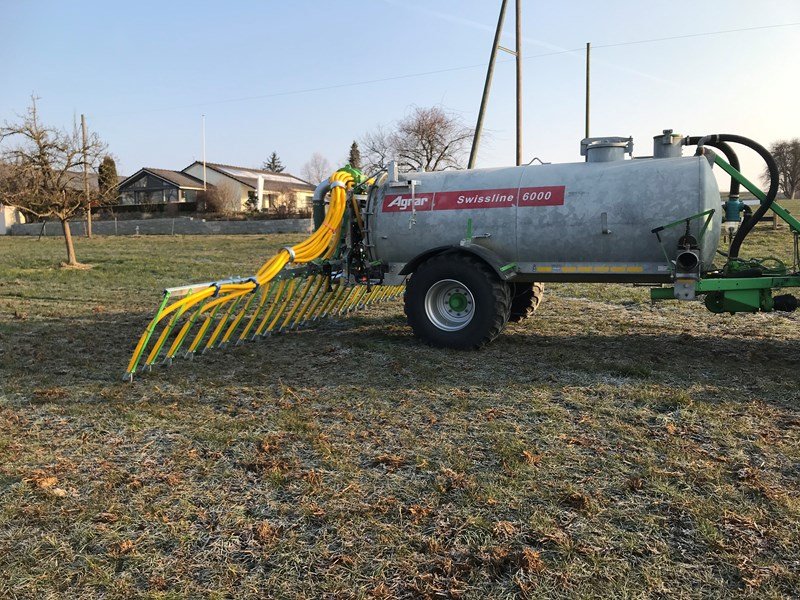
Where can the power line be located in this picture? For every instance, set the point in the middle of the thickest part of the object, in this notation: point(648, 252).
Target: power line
point(694, 35)
point(447, 70)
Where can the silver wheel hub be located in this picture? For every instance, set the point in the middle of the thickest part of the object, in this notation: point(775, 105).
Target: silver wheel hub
point(449, 305)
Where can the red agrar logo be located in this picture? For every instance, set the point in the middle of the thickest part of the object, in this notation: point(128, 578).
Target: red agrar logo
point(401, 203)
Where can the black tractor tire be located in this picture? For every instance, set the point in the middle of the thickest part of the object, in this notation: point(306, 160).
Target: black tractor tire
point(434, 318)
point(525, 299)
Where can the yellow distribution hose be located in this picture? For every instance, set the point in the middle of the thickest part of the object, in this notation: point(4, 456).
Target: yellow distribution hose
point(281, 307)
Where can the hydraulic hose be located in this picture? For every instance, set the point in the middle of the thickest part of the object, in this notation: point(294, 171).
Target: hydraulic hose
point(772, 167)
point(321, 243)
point(729, 153)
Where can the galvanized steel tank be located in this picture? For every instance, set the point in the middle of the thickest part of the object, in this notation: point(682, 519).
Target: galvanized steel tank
point(588, 221)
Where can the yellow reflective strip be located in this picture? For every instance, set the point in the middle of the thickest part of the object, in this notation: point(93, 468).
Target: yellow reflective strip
point(634, 269)
point(544, 269)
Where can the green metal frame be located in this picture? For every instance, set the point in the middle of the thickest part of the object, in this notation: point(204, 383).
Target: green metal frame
point(784, 214)
point(739, 294)
point(708, 214)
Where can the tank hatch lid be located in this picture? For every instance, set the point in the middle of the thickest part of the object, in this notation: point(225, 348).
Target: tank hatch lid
point(605, 149)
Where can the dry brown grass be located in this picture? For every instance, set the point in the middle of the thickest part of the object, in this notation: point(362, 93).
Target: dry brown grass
point(605, 447)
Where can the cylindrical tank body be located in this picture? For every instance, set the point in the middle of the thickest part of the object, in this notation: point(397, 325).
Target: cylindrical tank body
point(579, 221)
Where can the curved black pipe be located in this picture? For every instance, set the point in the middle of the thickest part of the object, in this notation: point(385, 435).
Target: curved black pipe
point(729, 153)
point(772, 167)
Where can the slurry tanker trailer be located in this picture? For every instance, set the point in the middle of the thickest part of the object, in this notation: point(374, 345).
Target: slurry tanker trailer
point(471, 250)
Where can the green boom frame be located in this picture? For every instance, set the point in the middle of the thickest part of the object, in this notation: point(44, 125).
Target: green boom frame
point(741, 294)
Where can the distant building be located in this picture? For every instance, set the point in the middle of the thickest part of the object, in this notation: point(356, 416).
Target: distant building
point(9, 216)
point(159, 186)
point(248, 188)
point(262, 189)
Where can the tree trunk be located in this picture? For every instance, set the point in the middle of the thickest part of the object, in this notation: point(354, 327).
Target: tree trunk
point(89, 223)
point(71, 260)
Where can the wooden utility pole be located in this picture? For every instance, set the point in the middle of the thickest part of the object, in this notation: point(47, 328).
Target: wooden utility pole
point(487, 86)
point(86, 179)
point(519, 81)
point(205, 185)
point(588, 53)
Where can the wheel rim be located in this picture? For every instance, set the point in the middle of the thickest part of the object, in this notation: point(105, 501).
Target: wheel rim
point(449, 305)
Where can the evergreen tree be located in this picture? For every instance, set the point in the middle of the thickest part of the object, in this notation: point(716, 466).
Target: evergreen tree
point(107, 180)
point(274, 163)
point(354, 157)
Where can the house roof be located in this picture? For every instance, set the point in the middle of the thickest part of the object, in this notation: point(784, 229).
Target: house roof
point(249, 176)
point(75, 181)
point(182, 180)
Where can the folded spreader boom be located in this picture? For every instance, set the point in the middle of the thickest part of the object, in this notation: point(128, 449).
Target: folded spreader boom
point(319, 283)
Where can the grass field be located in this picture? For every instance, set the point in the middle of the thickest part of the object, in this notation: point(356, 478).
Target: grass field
point(605, 447)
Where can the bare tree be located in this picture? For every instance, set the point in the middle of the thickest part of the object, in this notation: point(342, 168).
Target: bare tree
point(287, 204)
point(221, 198)
point(377, 149)
point(39, 176)
point(317, 169)
point(427, 139)
point(787, 156)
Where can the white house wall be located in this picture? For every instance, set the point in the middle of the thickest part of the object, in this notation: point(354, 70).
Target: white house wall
point(8, 217)
point(216, 178)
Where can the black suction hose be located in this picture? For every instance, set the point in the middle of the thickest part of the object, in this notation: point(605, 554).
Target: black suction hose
point(772, 167)
point(729, 153)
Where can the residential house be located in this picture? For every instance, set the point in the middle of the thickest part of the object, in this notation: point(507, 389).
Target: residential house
point(159, 186)
point(257, 189)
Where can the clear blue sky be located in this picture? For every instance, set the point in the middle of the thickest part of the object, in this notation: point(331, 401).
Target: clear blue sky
point(144, 72)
